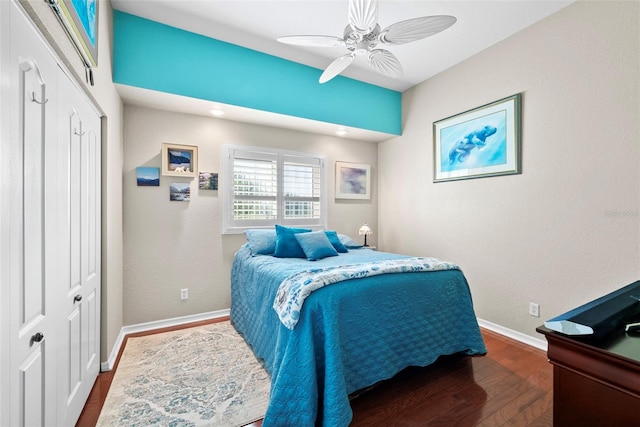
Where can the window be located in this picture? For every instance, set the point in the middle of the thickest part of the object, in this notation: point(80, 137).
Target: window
point(263, 187)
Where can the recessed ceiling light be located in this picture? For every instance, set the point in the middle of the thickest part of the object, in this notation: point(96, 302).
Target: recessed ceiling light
point(341, 132)
point(217, 112)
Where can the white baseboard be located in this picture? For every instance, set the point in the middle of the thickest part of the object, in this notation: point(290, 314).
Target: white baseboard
point(540, 344)
point(158, 324)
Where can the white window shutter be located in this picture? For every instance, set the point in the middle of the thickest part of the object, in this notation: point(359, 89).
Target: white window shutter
point(267, 187)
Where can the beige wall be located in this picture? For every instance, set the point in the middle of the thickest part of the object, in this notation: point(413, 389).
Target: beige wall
point(173, 245)
point(108, 101)
point(566, 230)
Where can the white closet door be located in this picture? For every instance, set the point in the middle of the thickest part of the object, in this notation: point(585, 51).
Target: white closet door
point(79, 204)
point(91, 254)
point(50, 247)
point(33, 74)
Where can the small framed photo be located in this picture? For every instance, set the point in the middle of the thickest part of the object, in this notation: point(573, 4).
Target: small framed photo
point(478, 143)
point(179, 160)
point(148, 177)
point(180, 192)
point(353, 181)
point(208, 181)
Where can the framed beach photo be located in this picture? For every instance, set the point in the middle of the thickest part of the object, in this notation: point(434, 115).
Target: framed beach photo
point(478, 143)
point(179, 160)
point(353, 181)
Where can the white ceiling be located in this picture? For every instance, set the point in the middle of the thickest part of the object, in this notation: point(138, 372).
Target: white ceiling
point(256, 24)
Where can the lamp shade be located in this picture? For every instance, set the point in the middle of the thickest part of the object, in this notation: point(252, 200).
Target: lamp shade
point(365, 230)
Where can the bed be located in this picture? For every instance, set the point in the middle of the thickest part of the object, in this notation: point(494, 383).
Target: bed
point(347, 335)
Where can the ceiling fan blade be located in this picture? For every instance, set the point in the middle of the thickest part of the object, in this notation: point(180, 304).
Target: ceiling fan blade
point(363, 15)
point(314, 41)
point(385, 62)
point(336, 67)
point(415, 29)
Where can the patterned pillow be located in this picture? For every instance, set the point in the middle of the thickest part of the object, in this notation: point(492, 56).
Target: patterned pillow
point(286, 244)
point(315, 245)
point(261, 241)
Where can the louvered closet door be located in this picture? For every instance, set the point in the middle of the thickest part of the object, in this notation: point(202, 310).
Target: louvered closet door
point(33, 264)
point(79, 166)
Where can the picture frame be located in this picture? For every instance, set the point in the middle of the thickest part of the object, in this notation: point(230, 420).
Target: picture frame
point(478, 143)
point(208, 181)
point(147, 177)
point(179, 160)
point(80, 19)
point(179, 192)
point(353, 181)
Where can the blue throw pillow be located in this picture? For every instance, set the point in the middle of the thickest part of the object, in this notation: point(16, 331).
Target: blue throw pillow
point(335, 241)
point(348, 242)
point(286, 244)
point(261, 241)
point(316, 245)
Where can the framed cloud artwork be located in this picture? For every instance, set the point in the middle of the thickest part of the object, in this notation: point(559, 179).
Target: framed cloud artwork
point(353, 181)
point(478, 143)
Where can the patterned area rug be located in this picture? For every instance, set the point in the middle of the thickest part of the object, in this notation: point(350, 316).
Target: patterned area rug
point(201, 376)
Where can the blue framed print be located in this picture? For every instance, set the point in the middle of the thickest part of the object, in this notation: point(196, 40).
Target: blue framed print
point(478, 143)
point(147, 177)
point(80, 17)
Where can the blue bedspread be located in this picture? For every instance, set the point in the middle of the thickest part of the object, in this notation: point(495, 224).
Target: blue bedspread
point(350, 334)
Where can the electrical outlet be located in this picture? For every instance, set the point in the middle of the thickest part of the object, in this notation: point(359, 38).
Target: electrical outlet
point(184, 294)
point(534, 309)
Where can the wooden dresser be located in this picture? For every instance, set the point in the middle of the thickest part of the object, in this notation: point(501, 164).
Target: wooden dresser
point(595, 382)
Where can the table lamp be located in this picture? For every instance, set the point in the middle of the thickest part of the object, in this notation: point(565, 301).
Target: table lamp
point(365, 231)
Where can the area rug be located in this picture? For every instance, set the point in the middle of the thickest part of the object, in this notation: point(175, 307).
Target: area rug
point(201, 376)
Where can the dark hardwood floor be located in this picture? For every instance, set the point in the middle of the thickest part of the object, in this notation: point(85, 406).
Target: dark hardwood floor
point(511, 385)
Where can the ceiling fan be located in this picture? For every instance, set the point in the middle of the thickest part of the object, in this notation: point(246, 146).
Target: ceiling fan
point(363, 34)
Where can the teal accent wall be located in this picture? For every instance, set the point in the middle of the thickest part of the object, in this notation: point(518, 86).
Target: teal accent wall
point(150, 55)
